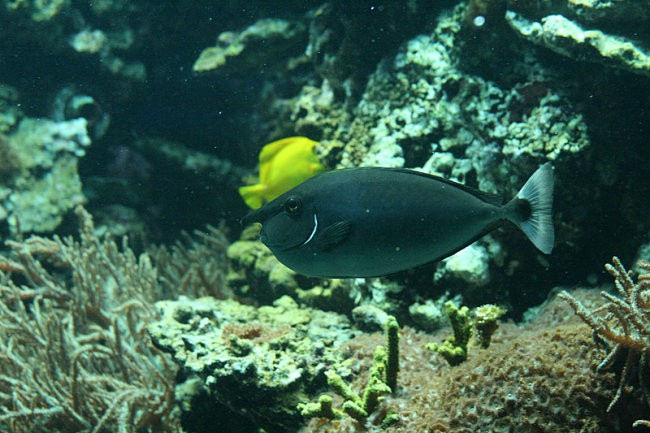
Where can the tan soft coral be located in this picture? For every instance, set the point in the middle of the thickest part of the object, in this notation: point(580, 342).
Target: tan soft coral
point(623, 321)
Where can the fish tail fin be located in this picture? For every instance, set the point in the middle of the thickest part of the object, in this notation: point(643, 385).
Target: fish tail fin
point(532, 209)
point(253, 195)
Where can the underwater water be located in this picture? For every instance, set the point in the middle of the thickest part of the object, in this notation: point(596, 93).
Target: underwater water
point(196, 236)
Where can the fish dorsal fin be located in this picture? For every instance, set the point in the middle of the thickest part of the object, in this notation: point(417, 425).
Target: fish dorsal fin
point(333, 235)
point(271, 150)
point(488, 197)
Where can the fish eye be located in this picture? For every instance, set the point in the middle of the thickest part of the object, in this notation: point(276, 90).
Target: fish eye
point(292, 205)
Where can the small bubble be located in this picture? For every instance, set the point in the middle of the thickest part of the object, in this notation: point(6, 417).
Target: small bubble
point(479, 21)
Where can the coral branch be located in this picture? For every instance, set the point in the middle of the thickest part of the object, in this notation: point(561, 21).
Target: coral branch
point(74, 352)
point(624, 321)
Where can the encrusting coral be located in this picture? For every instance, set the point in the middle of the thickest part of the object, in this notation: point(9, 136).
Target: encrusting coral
point(625, 322)
point(258, 362)
point(74, 354)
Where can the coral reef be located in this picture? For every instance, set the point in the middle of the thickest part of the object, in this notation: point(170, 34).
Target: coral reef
point(480, 323)
point(537, 377)
point(194, 266)
point(624, 322)
point(75, 355)
point(599, 31)
point(469, 265)
point(258, 362)
point(425, 107)
point(45, 184)
point(71, 27)
point(422, 98)
point(39, 179)
point(254, 272)
point(109, 103)
point(38, 10)
point(265, 42)
point(430, 315)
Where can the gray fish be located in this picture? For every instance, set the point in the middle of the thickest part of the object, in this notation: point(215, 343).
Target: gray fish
point(369, 222)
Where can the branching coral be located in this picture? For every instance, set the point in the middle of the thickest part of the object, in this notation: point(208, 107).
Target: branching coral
point(625, 322)
point(454, 348)
point(183, 267)
point(480, 323)
point(74, 354)
point(382, 380)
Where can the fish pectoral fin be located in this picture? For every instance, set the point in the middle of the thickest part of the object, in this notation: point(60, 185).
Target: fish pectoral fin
point(333, 235)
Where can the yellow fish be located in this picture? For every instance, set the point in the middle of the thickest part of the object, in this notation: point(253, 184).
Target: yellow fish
point(284, 164)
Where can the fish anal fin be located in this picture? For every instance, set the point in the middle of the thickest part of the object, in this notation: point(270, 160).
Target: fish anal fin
point(333, 235)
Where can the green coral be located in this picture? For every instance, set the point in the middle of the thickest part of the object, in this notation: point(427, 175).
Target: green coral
point(454, 348)
point(485, 321)
point(382, 380)
point(392, 344)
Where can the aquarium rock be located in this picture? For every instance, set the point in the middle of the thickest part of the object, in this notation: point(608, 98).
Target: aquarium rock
point(38, 10)
point(259, 362)
point(253, 271)
point(9, 111)
point(430, 315)
point(45, 184)
point(88, 41)
point(471, 264)
point(266, 42)
point(420, 108)
point(369, 318)
point(598, 31)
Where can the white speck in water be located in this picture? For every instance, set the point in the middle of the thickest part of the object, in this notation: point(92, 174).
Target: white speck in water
point(479, 20)
point(367, 210)
point(397, 248)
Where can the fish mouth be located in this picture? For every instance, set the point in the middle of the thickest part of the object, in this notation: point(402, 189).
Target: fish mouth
point(260, 215)
point(251, 217)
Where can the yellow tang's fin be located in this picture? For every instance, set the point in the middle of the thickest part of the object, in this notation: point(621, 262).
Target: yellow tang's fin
point(253, 195)
point(270, 150)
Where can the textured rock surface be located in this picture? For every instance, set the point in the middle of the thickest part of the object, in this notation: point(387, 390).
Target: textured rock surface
point(260, 362)
point(44, 183)
point(263, 43)
point(613, 33)
point(579, 42)
point(539, 377)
